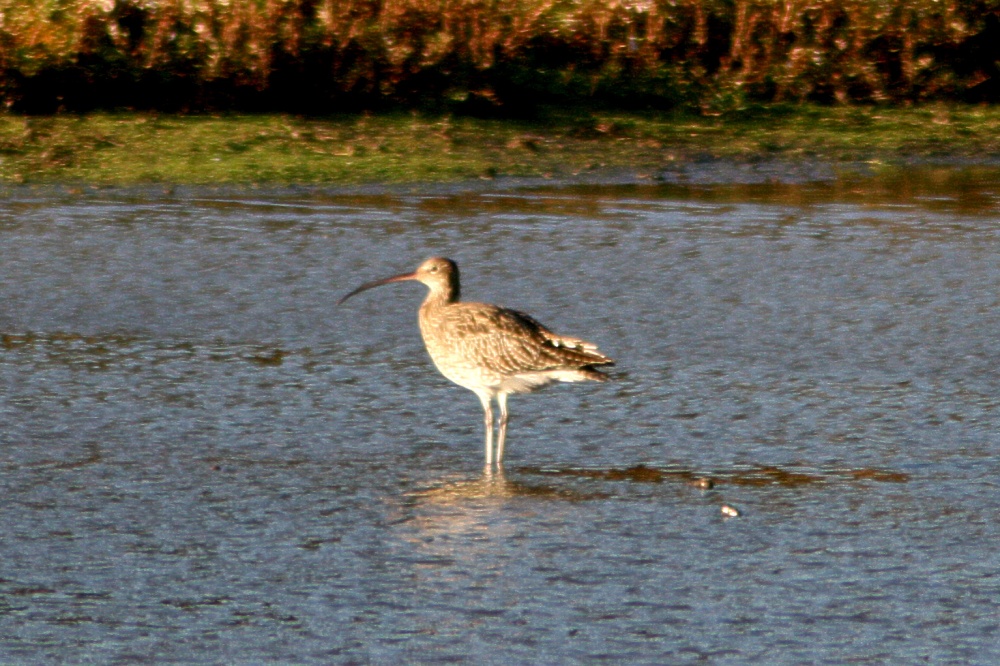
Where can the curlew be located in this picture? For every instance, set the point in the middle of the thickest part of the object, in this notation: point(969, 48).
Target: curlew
point(492, 351)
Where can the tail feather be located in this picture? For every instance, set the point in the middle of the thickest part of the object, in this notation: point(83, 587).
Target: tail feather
point(594, 374)
point(586, 352)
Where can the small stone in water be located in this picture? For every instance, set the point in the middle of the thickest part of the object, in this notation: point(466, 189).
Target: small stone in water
point(730, 511)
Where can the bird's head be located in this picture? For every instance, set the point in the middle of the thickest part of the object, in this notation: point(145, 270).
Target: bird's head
point(440, 275)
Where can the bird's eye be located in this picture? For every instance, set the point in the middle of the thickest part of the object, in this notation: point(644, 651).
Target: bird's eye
point(433, 269)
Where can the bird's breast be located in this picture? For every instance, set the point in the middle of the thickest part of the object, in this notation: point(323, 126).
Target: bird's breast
point(453, 349)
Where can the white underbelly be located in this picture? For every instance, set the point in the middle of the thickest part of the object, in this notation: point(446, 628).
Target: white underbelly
point(478, 379)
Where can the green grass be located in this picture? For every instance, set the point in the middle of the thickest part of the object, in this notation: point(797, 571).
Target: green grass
point(135, 148)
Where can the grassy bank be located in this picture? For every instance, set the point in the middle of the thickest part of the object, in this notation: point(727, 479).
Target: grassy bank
point(133, 148)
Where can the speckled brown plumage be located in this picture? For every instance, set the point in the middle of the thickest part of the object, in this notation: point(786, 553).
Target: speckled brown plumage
point(490, 350)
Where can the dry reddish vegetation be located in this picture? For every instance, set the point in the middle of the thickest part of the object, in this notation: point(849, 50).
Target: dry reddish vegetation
point(491, 56)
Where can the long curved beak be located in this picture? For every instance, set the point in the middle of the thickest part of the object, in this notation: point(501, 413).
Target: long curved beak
point(378, 283)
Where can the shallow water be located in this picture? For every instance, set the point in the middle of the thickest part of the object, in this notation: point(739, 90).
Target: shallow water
point(204, 460)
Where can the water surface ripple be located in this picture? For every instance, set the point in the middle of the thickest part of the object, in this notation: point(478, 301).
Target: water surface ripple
point(203, 460)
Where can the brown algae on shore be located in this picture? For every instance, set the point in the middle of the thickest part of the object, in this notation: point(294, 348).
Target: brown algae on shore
point(756, 476)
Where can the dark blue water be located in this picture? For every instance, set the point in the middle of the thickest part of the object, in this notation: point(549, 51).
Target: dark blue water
point(204, 460)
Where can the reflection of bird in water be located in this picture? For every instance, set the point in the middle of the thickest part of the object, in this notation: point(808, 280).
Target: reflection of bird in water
point(492, 351)
point(494, 485)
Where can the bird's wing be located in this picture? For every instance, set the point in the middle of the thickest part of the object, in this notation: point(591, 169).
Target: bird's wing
point(513, 342)
point(562, 341)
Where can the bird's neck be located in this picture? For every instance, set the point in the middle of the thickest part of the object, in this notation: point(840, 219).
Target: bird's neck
point(441, 296)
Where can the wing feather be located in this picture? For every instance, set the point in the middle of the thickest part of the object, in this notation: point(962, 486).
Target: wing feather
point(511, 342)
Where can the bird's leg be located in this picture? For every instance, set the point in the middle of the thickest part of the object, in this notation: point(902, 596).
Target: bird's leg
point(502, 435)
point(487, 401)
